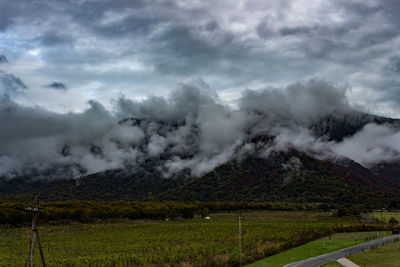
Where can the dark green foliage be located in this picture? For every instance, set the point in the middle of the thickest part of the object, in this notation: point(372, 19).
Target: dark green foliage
point(257, 179)
point(347, 210)
point(394, 204)
point(188, 212)
point(13, 213)
point(204, 212)
point(393, 221)
point(253, 179)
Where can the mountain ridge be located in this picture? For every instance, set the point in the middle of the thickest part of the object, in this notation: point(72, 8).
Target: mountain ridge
point(290, 175)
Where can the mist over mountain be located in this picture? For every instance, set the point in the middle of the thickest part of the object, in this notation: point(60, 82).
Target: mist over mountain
point(193, 131)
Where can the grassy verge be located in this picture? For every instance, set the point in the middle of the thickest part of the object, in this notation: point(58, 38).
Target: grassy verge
point(385, 215)
point(318, 247)
point(384, 256)
point(191, 242)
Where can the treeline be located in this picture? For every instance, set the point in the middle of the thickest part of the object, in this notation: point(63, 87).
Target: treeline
point(13, 213)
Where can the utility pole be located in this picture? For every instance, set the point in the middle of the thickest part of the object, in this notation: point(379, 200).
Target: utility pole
point(34, 209)
point(240, 239)
point(304, 222)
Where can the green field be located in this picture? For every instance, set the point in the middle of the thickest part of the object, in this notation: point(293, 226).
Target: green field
point(384, 256)
point(318, 247)
point(195, 242)
point(386, 215)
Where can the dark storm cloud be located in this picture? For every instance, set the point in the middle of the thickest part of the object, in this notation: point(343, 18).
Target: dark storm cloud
point(10, 85)
point(263, 30)
point(211, 25)
point(6, 18)
point(156, 44)
point(3, 59)
point(360, 8)
point(187, 51)
point(29, 11)
point(294, 30)
point(91, 11)
point(129, 26)
point(57, 86)
point(393, 67)
point(388, 91)
point(53, 38)
point(376, 38)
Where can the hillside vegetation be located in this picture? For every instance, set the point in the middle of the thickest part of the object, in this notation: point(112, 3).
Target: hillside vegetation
point(292, 177)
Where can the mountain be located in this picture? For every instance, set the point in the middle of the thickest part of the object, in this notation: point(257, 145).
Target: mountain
point(290, 174)
point(390, 171)
point(338, 126)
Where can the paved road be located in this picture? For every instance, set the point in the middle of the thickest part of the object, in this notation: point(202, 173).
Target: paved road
point(366, 217)
point(346, 263)
point(322, 259)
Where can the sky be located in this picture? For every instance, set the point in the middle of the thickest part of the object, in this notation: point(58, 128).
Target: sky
point(60, 55)
point(204, 77)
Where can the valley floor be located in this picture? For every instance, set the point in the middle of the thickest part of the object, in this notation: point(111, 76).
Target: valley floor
point(195, 242)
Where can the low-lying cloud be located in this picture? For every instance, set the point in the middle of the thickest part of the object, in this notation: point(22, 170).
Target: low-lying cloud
point(374, 143)
point(191, 129)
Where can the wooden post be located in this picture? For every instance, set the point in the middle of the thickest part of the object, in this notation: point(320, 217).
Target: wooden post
point(240, 239)
point(40, 248)
point(304, 222)
point(32, 243)
point(34, 209)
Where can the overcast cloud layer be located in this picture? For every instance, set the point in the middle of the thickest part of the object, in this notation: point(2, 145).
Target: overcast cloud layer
point(62, 54)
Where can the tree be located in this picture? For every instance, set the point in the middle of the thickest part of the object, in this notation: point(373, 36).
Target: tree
point(187, 213)
point(204, 212)
point(393, 221)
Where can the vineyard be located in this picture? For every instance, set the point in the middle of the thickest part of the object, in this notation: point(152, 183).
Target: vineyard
point(192, 242)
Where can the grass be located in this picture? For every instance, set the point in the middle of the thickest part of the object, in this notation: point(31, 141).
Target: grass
point(386, 215)
point(318, 247)
point(384, 256)
point(170, 243)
